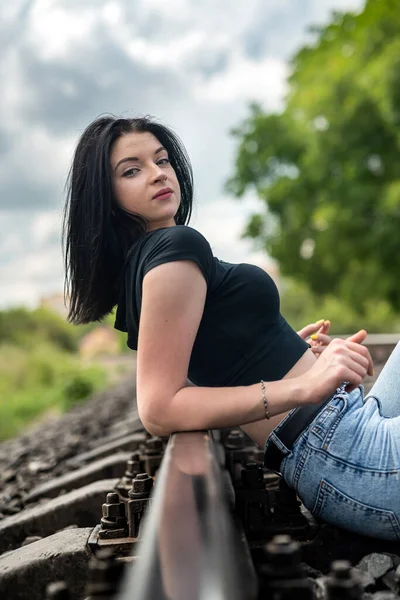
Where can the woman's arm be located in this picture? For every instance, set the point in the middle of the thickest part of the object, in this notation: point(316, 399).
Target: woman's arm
point(173, 299)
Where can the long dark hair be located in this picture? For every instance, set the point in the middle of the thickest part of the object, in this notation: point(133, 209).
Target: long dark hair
point(97, 232)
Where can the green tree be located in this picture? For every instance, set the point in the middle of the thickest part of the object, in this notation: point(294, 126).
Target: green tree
point(26, 328)
point(327, 168)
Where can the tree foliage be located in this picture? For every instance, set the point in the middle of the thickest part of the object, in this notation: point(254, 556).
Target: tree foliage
point(26, 328)
point(327, 167)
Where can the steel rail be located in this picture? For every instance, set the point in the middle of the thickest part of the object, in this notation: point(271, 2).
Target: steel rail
point(189, 548)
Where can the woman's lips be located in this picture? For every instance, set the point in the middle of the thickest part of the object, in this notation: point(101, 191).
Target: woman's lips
point(164, 196)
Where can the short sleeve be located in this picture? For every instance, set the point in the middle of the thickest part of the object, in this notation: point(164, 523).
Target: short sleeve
point(179, 242)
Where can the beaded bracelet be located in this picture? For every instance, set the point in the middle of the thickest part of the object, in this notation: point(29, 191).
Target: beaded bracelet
point(267, 415)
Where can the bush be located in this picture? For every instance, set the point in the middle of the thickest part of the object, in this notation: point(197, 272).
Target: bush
point(24, 328)
point(299, 306)
point(44, 378)
point(81, 385)
point(43, 365)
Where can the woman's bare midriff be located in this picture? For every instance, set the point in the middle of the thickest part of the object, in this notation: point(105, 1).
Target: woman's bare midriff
point(260, 430)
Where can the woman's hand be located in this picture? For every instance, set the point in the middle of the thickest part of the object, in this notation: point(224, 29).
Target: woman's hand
point(344, 360)
point(317, 334)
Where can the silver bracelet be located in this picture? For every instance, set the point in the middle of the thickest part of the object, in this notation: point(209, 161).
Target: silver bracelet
point(267, 415)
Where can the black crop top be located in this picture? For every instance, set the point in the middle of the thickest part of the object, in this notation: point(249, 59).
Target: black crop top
point(242, 336)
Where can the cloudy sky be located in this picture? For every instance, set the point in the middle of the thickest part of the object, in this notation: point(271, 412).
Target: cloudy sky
point(193, 64)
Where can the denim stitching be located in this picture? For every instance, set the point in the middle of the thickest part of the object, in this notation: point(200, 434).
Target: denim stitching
point(335, 424)
point(299, 466)
point(326, 488)
point(327, 456)
point(319, 432)
point(327, 412)
point(321, 418)
point(320, 498)
point(277, 442)
point(318, 428)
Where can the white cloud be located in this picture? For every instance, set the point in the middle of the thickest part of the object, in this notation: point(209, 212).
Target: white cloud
point(26, 278)
point(19, 293)
point(320, 10)
point(45, 226)
point(56, 31)
point(245, 80)
point(166, 9)
point(33, 266)
point(11, 244)
point(9, 11)
point(171, 53)
point(13, 91)
point(37, 156)
point(112, 13)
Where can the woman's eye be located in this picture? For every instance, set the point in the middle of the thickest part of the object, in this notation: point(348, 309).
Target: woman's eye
point(130, 172)
point(164, 159)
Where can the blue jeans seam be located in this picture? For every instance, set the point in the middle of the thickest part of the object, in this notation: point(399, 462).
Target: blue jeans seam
point(317, 508)
point(335, 424)
point(350, 465)
point(299, 467)
point(323, 492)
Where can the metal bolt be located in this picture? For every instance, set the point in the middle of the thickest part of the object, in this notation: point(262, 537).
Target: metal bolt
point(133, 466)
point(113, 509)
point(105, 575)
point(341, 583)
point(341, 569)
point(235, 440)
point(287, 506)
point(282, 576)
point(152, 454)
point(282, 544)
point(113, 522)
point(283, 550)
point(253, 476)
point(57, 591)
point(141, 486)
point(112, 498)
point(137, 503)
point(154, 445)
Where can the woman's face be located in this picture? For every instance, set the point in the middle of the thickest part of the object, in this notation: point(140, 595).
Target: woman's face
point(141, 169)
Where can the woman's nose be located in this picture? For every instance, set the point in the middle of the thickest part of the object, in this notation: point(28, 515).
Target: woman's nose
point(158, 174)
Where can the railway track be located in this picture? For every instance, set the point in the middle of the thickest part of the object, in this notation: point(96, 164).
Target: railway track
point(195, 516)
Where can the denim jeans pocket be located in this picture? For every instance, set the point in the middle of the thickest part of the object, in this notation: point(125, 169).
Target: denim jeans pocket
point(335, 507)
point(325, 420)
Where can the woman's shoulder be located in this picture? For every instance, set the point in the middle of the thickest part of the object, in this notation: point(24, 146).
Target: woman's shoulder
point(177, 236)
point(168, 243)
point(178, 242)
point(175, 232)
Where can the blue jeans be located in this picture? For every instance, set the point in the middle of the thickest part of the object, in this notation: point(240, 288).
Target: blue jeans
point(345, 466)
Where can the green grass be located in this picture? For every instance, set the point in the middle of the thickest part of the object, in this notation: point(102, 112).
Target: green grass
point(43, 379)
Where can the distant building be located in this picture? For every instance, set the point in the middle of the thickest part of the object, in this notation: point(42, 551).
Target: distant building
point(54, 302)
point(102, 341)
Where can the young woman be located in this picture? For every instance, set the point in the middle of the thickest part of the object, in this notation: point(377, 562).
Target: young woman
point(213, 349)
